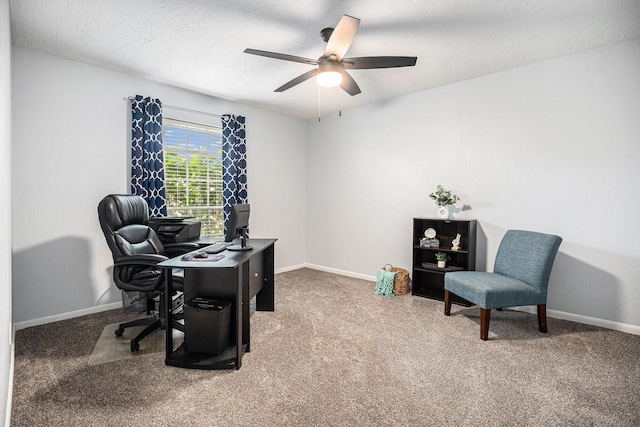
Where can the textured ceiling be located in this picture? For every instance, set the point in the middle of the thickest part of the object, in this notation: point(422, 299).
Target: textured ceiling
point(198, 44)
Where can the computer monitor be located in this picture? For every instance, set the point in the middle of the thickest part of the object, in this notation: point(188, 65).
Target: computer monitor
point(237, 227)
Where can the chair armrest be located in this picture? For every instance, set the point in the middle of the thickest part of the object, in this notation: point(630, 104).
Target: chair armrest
point(142, 259)
point(175, 249)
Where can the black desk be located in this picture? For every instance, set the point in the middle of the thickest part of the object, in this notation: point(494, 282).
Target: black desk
point(236, 278)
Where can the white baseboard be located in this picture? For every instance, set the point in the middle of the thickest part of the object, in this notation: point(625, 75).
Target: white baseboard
point(586, 320)
point(65, 316)
point(12, 361)
point(291, 268)
point(342, 272)
point(97, 309)
point(555, 314)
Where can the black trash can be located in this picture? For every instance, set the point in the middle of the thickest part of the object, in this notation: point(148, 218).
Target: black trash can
point(207, 323)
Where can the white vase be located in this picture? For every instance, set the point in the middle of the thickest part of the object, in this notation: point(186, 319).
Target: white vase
point(442, 264)
point(443, 212)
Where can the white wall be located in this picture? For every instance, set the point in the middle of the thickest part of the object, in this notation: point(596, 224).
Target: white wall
point(552, 147)
point(70, 148)
point(5, 211)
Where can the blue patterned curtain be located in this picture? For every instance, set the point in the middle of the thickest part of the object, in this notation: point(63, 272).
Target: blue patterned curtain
point(147, 163)
point(234, 162)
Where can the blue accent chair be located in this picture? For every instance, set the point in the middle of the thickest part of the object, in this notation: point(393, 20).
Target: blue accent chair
point(520, 277)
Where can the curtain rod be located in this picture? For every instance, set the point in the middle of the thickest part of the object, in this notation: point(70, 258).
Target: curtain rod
point(173, 107)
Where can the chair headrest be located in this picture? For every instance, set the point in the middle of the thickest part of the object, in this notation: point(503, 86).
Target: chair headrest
point(119, 210)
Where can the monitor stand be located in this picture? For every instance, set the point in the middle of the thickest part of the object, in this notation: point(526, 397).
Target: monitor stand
point(243, 243)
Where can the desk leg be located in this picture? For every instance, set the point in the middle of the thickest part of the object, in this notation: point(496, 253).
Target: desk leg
point(168, 289)
point(246, 308)
point(265, 297)
point(239, 316)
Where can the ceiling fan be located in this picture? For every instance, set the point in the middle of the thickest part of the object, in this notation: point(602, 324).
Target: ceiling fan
point(332, 65)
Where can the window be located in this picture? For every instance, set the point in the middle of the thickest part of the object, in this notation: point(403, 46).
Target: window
point(193, 173)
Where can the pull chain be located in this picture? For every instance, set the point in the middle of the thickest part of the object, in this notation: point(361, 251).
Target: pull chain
point(319, 104)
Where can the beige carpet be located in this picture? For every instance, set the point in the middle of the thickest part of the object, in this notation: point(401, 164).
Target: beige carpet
point(335, 354)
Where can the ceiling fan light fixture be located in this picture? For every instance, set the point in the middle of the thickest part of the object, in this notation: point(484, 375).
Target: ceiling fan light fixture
point(329, 78)
point(332, 65)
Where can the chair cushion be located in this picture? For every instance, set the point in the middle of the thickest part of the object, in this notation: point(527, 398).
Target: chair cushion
point(492, 290)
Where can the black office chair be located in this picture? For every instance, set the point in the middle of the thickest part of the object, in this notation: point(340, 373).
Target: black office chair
point(136, 251)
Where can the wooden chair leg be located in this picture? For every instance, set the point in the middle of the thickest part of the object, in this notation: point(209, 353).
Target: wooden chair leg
point(542, 317)
point(485, 317)
point(447, 303)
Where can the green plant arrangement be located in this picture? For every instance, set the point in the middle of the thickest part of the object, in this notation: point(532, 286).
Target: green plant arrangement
point(443, 197)
point(441, 256)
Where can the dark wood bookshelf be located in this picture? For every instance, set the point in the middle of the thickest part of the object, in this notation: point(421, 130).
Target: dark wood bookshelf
point(428, 278)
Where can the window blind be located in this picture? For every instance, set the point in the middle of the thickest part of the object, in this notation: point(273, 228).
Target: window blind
point(193, 173)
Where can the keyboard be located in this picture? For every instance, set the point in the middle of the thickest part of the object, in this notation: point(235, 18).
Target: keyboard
point(216, 247)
